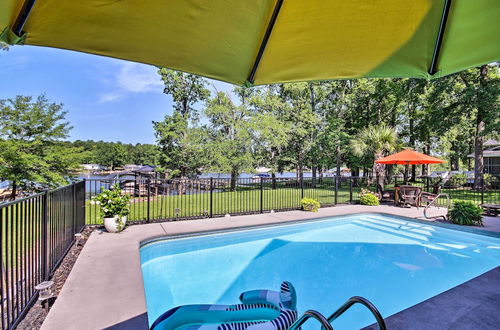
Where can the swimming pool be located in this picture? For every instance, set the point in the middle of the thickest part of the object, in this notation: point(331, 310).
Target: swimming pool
point(389, 260)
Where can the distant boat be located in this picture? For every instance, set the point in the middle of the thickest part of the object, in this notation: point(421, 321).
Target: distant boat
point(262, 170)
point(259, 176)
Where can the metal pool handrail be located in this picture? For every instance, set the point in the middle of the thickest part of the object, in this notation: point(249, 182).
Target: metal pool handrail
point(448, 204)
point(358, 300)
point(308, 315)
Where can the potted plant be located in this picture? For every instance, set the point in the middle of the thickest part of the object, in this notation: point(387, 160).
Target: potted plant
point(114, 208)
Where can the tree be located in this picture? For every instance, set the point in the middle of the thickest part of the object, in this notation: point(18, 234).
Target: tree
point(473, 94)
point(145, 154)
point(481, 93)
point(186, 90)
point(231, 135)
point(377, 141)
point(272, 132)
point(183, 148)
point(305, 121)
point(31, 149)
point(111, 155)
point(179, 138)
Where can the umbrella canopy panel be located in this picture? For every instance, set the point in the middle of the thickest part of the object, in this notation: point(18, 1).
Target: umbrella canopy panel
point(409, 157)
point(309, 40)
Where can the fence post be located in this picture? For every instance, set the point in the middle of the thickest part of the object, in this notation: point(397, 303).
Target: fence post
point(261, 195)
point(84, 202)
point(148, 187)
point(211, 197)
point(350, 190)
point(45, 239)
point(336, 189)
point(482, 190)
point(73, 194)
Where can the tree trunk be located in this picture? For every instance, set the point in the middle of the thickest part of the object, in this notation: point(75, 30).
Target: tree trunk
point(427, 151)
point(273, 178)
point(300, 167)
point(389, 170)
point(314, 170)
point(14, 191)
point(338, 161)
point(320, 174)
point(478, 153)
point(405, 175)
point(479, 139)
point(234, 177)
point(379, 171)
point(469, 159)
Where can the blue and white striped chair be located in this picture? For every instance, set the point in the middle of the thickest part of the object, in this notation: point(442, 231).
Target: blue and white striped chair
point(259, 310)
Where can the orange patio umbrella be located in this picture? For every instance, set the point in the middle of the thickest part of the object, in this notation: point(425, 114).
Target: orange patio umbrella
point(409, 157)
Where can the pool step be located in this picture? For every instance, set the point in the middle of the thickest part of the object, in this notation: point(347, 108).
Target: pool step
point(380, 226)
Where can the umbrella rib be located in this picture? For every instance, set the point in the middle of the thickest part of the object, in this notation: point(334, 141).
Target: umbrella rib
point(23, 17)
point(439, 40)
point(270, 26)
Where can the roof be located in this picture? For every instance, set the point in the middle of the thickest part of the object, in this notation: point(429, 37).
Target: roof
point(491, 143)
point(489, 153)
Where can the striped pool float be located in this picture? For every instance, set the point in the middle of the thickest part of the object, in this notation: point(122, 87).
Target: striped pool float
point(259, 310)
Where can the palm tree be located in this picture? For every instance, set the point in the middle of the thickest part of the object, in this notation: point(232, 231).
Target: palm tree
point(376, 141)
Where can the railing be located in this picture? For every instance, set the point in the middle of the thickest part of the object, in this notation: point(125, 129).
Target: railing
point(363, 301)
point(435, 202)
point(311, 314)
point(160, 199)
point(35, 234)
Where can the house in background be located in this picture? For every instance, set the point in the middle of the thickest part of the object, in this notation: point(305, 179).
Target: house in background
point(131, 167)
point(491, 155)
point(92, 167)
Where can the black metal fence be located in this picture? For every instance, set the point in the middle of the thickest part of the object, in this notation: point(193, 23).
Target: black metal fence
point(204, 198)
point(35, 234)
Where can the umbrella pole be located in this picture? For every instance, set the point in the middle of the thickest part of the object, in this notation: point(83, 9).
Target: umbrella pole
point(439, 40)
point(406, 174)
point(274, 16)
point(23, 17)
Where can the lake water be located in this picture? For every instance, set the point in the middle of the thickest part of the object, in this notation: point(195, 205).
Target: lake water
point(215, 175)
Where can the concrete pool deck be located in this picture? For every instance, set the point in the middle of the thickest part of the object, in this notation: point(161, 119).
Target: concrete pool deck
point(105, 290)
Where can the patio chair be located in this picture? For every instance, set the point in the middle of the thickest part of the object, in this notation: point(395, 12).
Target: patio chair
point(427, 197)
point(387, 195)
point(409, 195)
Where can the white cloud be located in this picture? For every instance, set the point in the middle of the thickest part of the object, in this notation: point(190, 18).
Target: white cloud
point(139, 78)
point(132, 78)
point(111, 97)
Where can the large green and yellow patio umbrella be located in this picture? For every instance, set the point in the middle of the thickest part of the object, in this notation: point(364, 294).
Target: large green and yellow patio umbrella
point(268, 41)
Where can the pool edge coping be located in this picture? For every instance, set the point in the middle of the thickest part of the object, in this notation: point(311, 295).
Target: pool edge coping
point(450, 226)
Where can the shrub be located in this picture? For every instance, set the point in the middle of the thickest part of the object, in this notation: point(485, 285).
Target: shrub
point(309, 204)
point(466, 213)
point(457, 180)
point(488, 180)
point(366, 197)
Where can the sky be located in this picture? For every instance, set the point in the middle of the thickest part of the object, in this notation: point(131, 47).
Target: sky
point(106, 99)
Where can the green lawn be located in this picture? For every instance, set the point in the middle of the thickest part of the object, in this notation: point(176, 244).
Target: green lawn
point(248, 200)
point(240, 201)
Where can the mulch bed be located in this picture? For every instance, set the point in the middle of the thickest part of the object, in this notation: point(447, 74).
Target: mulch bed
point(36, 315)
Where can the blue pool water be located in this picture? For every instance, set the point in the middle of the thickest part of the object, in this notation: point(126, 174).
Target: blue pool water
point(393, 262)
